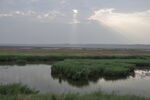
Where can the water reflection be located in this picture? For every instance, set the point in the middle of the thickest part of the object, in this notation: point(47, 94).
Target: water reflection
point(142, 73)
point(39, 77)
point(61, 79)
point(83, 83)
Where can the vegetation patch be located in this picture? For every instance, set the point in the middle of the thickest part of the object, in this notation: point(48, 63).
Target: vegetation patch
point(78, 69)
point(91, 96)
point(57, 57)
point(13, 89)
point(22, 92)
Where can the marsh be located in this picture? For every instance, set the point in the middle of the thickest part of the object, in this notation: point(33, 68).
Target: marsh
point(38, 76)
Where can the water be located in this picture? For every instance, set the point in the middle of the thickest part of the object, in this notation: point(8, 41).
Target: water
point(40, 78)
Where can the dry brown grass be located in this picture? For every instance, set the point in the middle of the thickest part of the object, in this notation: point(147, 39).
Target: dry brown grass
point(78, 51)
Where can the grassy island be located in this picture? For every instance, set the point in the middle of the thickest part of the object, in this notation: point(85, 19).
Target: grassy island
point(77, 69)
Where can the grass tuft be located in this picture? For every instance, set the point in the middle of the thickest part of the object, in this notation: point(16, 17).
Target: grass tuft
point(17, 88)
point(91, 96)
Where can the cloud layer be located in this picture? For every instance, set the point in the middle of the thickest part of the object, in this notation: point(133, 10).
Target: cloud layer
point(74, 21)
point(33, 14)
point(134, 25)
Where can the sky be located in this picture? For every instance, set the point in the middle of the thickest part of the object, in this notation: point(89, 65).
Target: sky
point(74, 21)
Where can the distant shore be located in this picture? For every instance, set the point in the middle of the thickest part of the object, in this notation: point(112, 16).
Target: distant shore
point(100, 46)
point(26, 50)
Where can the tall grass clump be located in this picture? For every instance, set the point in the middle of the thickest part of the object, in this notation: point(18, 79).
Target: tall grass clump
point(17, 88)
point(91, 96)
point(77, 69)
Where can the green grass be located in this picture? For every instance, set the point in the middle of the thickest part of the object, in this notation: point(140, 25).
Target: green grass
point(22, 92)
point(58, 57)
point(82, 66)
point(78, 69)
point(91, 96)
point(13, 89)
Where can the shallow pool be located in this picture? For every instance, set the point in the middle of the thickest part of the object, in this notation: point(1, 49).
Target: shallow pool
point(39, 77)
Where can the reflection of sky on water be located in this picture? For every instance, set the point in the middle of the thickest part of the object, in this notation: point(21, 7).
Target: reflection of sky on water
point(39, 77)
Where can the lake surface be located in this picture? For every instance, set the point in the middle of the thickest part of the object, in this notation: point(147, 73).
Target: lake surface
point(39, 77)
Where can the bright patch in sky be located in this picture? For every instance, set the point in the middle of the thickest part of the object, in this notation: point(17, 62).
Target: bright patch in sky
point(134, 25)
point(75, 15)
point(75, 11)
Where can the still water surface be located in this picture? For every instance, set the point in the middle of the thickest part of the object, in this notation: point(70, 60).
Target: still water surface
point(39, 77)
